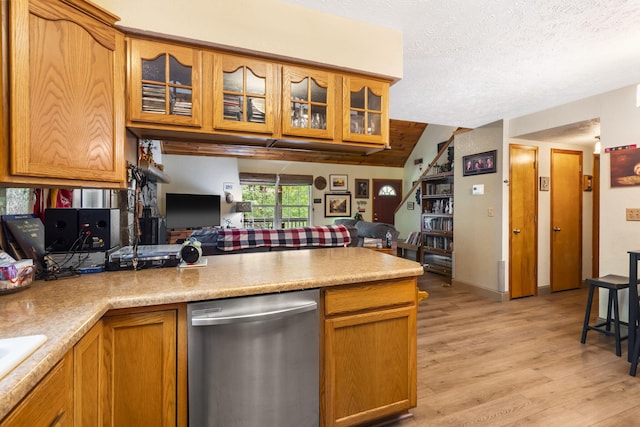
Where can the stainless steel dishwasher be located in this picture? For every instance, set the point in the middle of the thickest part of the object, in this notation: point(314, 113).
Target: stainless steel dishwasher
point(254, 361)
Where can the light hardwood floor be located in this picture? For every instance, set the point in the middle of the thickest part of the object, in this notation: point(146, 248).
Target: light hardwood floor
point(517, 363)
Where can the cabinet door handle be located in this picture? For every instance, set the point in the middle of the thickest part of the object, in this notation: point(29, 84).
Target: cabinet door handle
point(556, 228)
point(422, 295)
point(516, 231)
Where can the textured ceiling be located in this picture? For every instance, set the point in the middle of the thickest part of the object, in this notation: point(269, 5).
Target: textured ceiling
point(472, 62)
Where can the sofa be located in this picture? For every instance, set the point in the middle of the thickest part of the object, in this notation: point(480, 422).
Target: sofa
point(367, 229)
point(245, 240)
point(226, 241)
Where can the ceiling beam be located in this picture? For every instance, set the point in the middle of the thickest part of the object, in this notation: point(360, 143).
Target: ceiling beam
point(265, 153)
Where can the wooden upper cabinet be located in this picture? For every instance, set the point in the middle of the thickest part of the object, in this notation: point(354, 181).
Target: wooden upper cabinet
point(308, 102)
point(243, 94)
point(164, 83)
point(66, 81)
point(366, 110)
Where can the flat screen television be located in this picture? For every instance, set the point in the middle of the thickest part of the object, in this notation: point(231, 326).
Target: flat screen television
point(192, 210)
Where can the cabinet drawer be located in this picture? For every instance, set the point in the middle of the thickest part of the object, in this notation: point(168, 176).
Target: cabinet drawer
point(370, 296)
point(50, 402)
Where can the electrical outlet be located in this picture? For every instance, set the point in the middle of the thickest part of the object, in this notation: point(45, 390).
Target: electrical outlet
point(633, 214)
point(490, 212)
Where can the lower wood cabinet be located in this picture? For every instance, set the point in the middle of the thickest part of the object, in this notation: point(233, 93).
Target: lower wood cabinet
point(145, 385)
point(50, 403)
point(369, 368)
point(88, 378)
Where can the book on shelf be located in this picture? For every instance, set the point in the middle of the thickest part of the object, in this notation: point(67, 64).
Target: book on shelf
point(414, 238)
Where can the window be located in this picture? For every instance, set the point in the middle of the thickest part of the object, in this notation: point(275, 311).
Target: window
point(387, 190)
point(277, 199)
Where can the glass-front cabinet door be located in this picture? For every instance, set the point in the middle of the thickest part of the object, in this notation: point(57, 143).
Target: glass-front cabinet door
point(308, 102)
point(366, 110)
point(243, 94)
point(165, 83)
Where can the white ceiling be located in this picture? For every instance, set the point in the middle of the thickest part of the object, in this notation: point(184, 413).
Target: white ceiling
point(472, 62)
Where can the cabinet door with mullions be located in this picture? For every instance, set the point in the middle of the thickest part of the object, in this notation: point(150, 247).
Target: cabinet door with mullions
point(243, 94)
point(308, 102)
point(165, 83)
point(366, 104)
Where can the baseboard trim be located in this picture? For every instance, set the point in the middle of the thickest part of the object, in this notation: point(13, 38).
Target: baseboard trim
point(487, 293)
point(544, 290)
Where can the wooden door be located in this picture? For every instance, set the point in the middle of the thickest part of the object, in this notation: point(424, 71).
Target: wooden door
point(523, 224)
point(566, 219)
point(88, 378)
point(308, 102)
point(67, 95)
point(165, 83)
point(243, 94)
point(140, 362)
point(387, 194)
point(370, 374)
point(365, 110)
point(50, 403)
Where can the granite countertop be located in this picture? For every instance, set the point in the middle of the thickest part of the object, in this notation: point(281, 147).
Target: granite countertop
point(64, 310)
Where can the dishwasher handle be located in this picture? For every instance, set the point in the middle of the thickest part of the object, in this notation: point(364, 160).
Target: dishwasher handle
point(204, 320)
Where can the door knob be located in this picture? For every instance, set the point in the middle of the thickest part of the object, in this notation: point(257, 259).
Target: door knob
point(556, 228)
point(516, 231)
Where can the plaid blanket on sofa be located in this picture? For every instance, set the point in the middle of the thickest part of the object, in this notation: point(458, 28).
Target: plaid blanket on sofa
point(230, 239)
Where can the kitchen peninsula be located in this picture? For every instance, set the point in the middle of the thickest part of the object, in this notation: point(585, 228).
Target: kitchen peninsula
point(357, 285)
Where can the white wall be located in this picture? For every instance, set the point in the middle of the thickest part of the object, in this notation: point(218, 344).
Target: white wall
point(478, 252)
point(619, 125)
point(269, 26)
point(207, 175)
point(202, 175)
point(325, 169)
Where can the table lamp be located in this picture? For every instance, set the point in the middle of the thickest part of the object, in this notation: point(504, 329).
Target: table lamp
point(243, 207)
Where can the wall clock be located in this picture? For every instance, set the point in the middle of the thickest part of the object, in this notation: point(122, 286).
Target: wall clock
point(320, 183)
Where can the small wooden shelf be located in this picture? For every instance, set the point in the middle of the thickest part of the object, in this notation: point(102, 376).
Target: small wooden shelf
point(438, 176)
point(430, 250)
point(153, 173)
point(438, 233)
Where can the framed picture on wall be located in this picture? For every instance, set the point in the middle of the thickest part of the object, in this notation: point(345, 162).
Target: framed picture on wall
point(477, 164)
point(338, 183)
point(362, 188)
point(337, 205)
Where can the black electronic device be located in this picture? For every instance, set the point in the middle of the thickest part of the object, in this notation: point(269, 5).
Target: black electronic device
point(192, 210)
point(100, 228)
point(148, 256)
point(153, 231)
point(60, 229)
point(86, 229)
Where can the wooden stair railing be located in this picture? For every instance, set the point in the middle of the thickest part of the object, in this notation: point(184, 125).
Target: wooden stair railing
point(431, 165)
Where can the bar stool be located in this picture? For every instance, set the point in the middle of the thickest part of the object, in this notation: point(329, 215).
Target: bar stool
point(613, 283)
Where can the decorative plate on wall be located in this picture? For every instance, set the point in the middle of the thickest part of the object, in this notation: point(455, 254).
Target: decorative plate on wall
point(320, 182)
